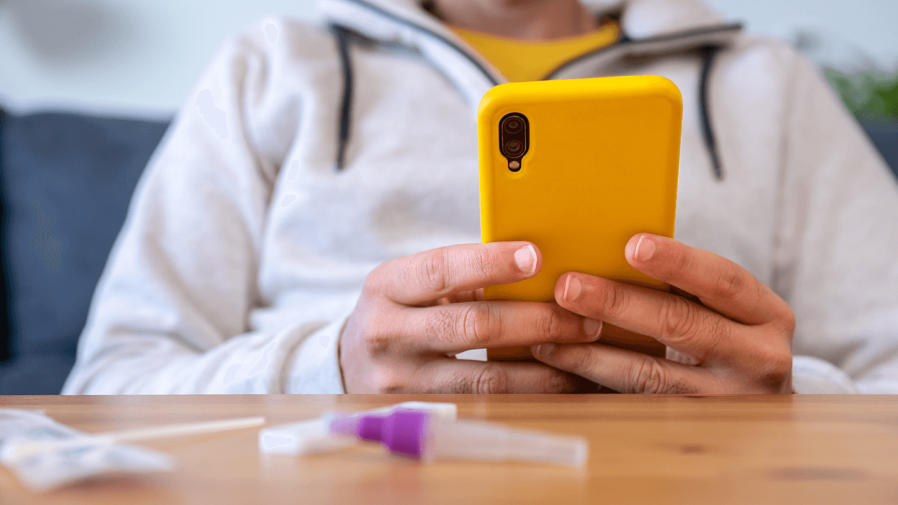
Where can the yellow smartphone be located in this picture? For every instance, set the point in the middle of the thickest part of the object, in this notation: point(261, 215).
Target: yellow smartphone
point(578, 167)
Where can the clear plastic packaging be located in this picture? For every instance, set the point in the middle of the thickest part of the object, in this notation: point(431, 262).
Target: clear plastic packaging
point(70, 461)
point(315, 437)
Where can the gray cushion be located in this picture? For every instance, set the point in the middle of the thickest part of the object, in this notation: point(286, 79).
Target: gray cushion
point(65, 184)
point(884, 135)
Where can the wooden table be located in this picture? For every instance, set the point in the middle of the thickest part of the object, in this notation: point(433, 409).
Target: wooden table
point(662, 449)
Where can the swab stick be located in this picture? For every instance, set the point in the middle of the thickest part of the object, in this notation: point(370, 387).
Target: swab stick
point(20, 450)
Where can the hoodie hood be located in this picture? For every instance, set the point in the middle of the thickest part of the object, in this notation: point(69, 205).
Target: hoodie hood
point(649, 27)
point(640, 19)
point(643, 19)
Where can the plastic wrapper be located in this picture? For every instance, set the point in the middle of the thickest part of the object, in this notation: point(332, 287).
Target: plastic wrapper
point(70, 455)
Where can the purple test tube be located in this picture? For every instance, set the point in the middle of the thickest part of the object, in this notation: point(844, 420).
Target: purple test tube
point(417, 435)
point(403, 432)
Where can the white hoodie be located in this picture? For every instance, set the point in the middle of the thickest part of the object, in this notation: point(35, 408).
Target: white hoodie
point(245, 248)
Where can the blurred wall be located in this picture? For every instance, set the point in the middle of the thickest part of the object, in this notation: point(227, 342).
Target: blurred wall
point(141, 57)
point(851, 35)
point(117, 56)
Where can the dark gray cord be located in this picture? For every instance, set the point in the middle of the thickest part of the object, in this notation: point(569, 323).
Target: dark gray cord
point(342, 35)
point(708, 55)
point(704, 99)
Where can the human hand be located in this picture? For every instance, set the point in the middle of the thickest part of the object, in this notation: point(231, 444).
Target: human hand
point(416, 312)
point(733, 336)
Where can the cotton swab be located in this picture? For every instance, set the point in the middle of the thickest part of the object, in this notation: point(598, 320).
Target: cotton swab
point(14, 451)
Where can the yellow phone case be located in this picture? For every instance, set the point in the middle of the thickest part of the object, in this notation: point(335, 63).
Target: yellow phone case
point(601, 166)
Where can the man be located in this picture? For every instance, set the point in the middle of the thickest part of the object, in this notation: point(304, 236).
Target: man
point(309, 224)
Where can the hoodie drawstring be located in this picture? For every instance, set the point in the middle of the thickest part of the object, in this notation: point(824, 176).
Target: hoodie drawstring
point(342, 35)
point(704, 99)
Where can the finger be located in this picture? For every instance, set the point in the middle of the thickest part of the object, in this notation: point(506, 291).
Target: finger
point(477, 377)
point(439, 273)
point(625, 371)
point(459, 327)
point(672, 320)
point(718, 282)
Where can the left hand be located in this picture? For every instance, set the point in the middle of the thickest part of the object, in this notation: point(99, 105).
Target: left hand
point(736, 337)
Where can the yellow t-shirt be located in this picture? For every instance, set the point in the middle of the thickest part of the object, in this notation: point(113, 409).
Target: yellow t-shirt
point(533, 60)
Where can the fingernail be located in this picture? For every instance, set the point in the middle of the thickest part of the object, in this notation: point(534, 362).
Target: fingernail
point(572, 288)
point(592, 327)
point(645, 249)
point(544, 349)
point(525, 257)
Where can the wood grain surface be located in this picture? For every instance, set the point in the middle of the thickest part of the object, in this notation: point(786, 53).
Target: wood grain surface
point(644, 449)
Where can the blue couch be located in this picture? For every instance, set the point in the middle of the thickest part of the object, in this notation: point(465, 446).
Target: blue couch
point(65, 184)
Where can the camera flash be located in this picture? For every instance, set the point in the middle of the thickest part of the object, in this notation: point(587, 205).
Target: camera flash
point(514, 165)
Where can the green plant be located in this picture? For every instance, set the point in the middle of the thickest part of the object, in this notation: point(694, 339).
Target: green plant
point(868, 95)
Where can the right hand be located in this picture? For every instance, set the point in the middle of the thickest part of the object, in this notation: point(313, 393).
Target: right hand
point(417, 312)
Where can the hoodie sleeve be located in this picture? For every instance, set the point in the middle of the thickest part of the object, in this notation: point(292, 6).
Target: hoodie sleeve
point(837, 245)
point(171, 312)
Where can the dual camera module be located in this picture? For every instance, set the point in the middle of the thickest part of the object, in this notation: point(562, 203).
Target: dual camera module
point(514, 139)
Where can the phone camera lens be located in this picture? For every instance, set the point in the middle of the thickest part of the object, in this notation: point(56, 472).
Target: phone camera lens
point(514, 139)
point(514, 125)
point(514, 148)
